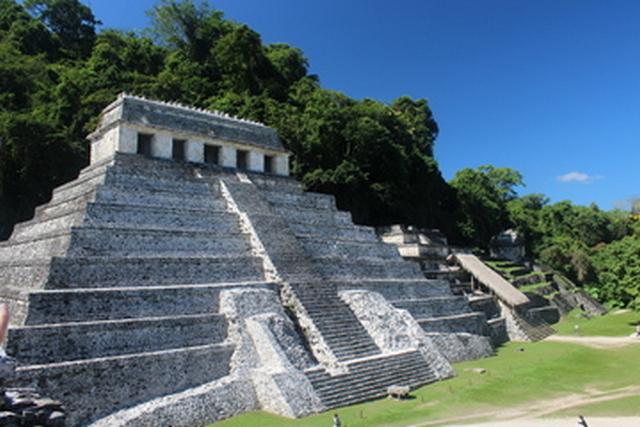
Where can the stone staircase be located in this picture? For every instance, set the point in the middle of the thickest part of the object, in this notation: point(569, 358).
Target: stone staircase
point(336, 323)
point(336, 251)
point(317, 297)
point(526, 327)
point(353, 257)
point(371, 377)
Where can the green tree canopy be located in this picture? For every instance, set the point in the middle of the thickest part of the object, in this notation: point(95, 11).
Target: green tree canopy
point(70, 21)
point(482, 195)
point(618, 271)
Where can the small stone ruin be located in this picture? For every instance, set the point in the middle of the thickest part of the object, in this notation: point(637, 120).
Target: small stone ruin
point(184, 277)
point(23, 407)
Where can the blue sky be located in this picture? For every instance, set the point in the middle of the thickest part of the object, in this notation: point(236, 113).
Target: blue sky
point(550, 88)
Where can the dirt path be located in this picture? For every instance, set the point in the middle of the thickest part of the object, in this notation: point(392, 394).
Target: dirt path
point(561, 422)
point(536, 414)
point(597, 342)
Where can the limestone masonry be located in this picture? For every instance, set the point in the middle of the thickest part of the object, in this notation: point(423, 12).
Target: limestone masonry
point(184, 278)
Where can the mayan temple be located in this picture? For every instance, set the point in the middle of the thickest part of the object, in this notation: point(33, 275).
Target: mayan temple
point(184, 277)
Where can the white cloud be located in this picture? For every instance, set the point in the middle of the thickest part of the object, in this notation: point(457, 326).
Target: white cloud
point(579, 177)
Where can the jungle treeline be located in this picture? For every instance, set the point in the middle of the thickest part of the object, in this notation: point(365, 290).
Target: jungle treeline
point(57, 72)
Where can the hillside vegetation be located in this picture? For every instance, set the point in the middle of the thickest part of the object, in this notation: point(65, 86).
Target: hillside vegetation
point(57, 72)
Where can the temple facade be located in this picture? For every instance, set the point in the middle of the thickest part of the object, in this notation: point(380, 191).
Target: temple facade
point(173, 131)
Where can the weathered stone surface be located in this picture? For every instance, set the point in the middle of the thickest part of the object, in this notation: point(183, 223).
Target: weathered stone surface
point(395, 330)
point(197, 406)
point(270, 352)
point(26, 408)
point(177, 293)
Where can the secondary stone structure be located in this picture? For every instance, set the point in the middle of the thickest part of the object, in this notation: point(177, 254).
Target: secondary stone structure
point(184, 278)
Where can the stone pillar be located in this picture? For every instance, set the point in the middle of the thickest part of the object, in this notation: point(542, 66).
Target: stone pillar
point(127, 140)
point(195, 151)
point(227, 156)
point(281, 165)
point(162, 145)
point(255, 161)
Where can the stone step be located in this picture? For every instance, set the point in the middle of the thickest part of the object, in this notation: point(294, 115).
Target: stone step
point(156, 167)
point(58, 208)
point(75, 305)
point(44, 226)
point(335, 321)
point(370, 379)
point(332, 231)
point(120, 242)
point(397, 289)
point(339, 270)
point(330, 248)
point(353, 351)
point(29, 274)
point(472, 323)
point(167, 184)
point(54, 244)
point(88, 178)
point(127, 196)
point(434, 307)
point(130, 170)
point(338, 331)
point(145, 217)
point(534, 327)
point(276, 183)
point(124, 380)
point(395, 364)
point(314, 215)
point(295, 199)
point(110, 195)
point(37, 345)
point(97, 272)
point(209, 215)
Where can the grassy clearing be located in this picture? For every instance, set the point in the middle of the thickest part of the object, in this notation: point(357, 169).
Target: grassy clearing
point(616, 324)
point(521, 373)
point(533, 287)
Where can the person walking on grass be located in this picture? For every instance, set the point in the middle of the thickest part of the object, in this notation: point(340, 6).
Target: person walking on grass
point(336, 421)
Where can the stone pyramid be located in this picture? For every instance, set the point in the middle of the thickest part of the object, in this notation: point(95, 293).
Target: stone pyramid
point(184, 278)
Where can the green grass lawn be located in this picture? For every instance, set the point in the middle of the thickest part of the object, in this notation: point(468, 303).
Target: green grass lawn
point(520, 373)
point(616, 324)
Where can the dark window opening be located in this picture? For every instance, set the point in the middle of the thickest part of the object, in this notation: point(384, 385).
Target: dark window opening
point(179, 149)
point(243, 160)
point(268, 164)
point(212, 154)
point(145, 142)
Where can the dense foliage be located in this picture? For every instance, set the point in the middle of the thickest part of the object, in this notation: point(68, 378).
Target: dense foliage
point(596, 249)
point(57, 73)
